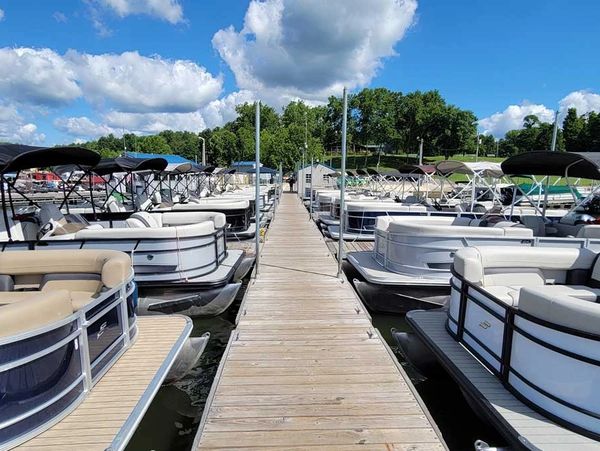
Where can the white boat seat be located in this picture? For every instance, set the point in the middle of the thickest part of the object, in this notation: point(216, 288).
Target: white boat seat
point(114, 206)
point(509, 295)
point(144, 219)
point(34, 310)
point(589, 231)
point(562, 310)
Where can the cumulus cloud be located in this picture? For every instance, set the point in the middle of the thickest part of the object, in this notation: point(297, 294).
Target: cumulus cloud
point(221, 111)
point(127, 81)
point(38, 76)
point(1, 15)
point(13, 127)
point(289, 49)
point(512, 118)
point(584, 101)
point(135, 83)
point(169, 10)
point(117, 123)
point(82, 127)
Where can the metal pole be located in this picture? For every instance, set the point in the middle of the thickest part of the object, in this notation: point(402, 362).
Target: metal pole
point(477, 149)
point(312, 163)
point(342, 184)
point(203, 151)
point(257, 186)
point(553, 149)
point(421, 152)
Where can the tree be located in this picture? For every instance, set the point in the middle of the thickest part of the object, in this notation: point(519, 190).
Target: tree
point(153, 144)
point(222, 146)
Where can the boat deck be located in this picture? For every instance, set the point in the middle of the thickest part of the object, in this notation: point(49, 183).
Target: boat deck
point(109, 415)
point(305, 368)
point(520, 424)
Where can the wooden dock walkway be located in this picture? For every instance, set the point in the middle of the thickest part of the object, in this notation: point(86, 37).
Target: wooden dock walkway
point(305, 368)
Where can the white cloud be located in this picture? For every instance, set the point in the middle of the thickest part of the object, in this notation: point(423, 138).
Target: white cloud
point(169, 10)
point(14, 129)
point(221, 111)
point(512, 118)
point(584, 101)
point(60, 17)
point(148, 123)
point(82, 127)
point(37, 76)
point(135, 83)
point(117, 123)
point(1, 15)
point(289, 49)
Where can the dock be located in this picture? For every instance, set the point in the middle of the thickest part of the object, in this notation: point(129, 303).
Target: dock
point(111, 412)
point(305, 368)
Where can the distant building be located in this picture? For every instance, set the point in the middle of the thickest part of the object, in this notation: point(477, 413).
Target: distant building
point(317, 179)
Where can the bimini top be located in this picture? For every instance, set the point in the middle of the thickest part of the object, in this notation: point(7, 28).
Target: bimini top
point(15, 157)
point(481, 168)
point(252, 170)
point(129, 164)
point(186, 168)
point(571, 164)
point(417, 169)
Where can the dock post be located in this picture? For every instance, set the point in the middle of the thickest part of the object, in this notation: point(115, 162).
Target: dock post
point(257, 189)
point(342, 183)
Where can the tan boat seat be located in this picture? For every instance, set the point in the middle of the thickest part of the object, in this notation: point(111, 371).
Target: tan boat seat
point(72, 282)
point(80, 299)
point(10, 297)
point(35, 310)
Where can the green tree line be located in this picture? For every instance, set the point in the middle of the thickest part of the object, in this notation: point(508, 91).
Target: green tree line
point(380, 121)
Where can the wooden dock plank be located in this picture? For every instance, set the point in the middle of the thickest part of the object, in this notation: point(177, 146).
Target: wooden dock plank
point(95, 422)
point(305, 368)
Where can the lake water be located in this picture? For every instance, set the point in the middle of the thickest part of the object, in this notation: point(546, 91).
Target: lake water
point(172, 420)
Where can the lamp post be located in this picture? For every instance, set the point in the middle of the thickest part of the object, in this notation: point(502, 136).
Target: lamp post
point(421, 140)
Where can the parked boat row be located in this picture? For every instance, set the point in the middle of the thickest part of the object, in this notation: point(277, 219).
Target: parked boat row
point(506, 302)
point(82, 285)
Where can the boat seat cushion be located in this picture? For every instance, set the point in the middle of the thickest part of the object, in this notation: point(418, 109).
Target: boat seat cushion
point(145, 218)
point(508, 265)
point(563, 310)
point(7, 283)
point(80, 299)
point(509, 295)
point(88, 282)
point(35, 310)
point(114, 267)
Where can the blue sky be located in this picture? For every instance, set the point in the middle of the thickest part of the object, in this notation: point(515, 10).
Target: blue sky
point(76, 69)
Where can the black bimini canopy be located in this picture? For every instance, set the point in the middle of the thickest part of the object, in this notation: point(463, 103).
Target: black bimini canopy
point(16, 157)
point(129, 164)
point(572, 164)
point(186, 168)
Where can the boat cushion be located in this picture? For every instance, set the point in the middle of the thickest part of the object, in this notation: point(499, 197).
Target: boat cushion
point(80, 299)
point(194, 217)
point(507, 294)
point(7, 283)
point(89, 282)
point(509, 265)
point(35, 310)
point(560, 309)
point(114, 267)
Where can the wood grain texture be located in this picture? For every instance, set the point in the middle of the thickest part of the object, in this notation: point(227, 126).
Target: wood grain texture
point(305, 369)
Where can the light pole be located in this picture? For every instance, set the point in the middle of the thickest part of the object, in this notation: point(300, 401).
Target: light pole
point(203, 151)
point(421, 140)
point(477, 148)
point(340, 254)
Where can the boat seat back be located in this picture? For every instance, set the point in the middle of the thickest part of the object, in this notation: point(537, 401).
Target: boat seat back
point(16, 230)
point(34, 310)
point(114, 206)
point(521, 266)
point(113, 267)
point(563, 310)
point(589, 231)
point(88, 282)
point(144, 219)
point(535, 223)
